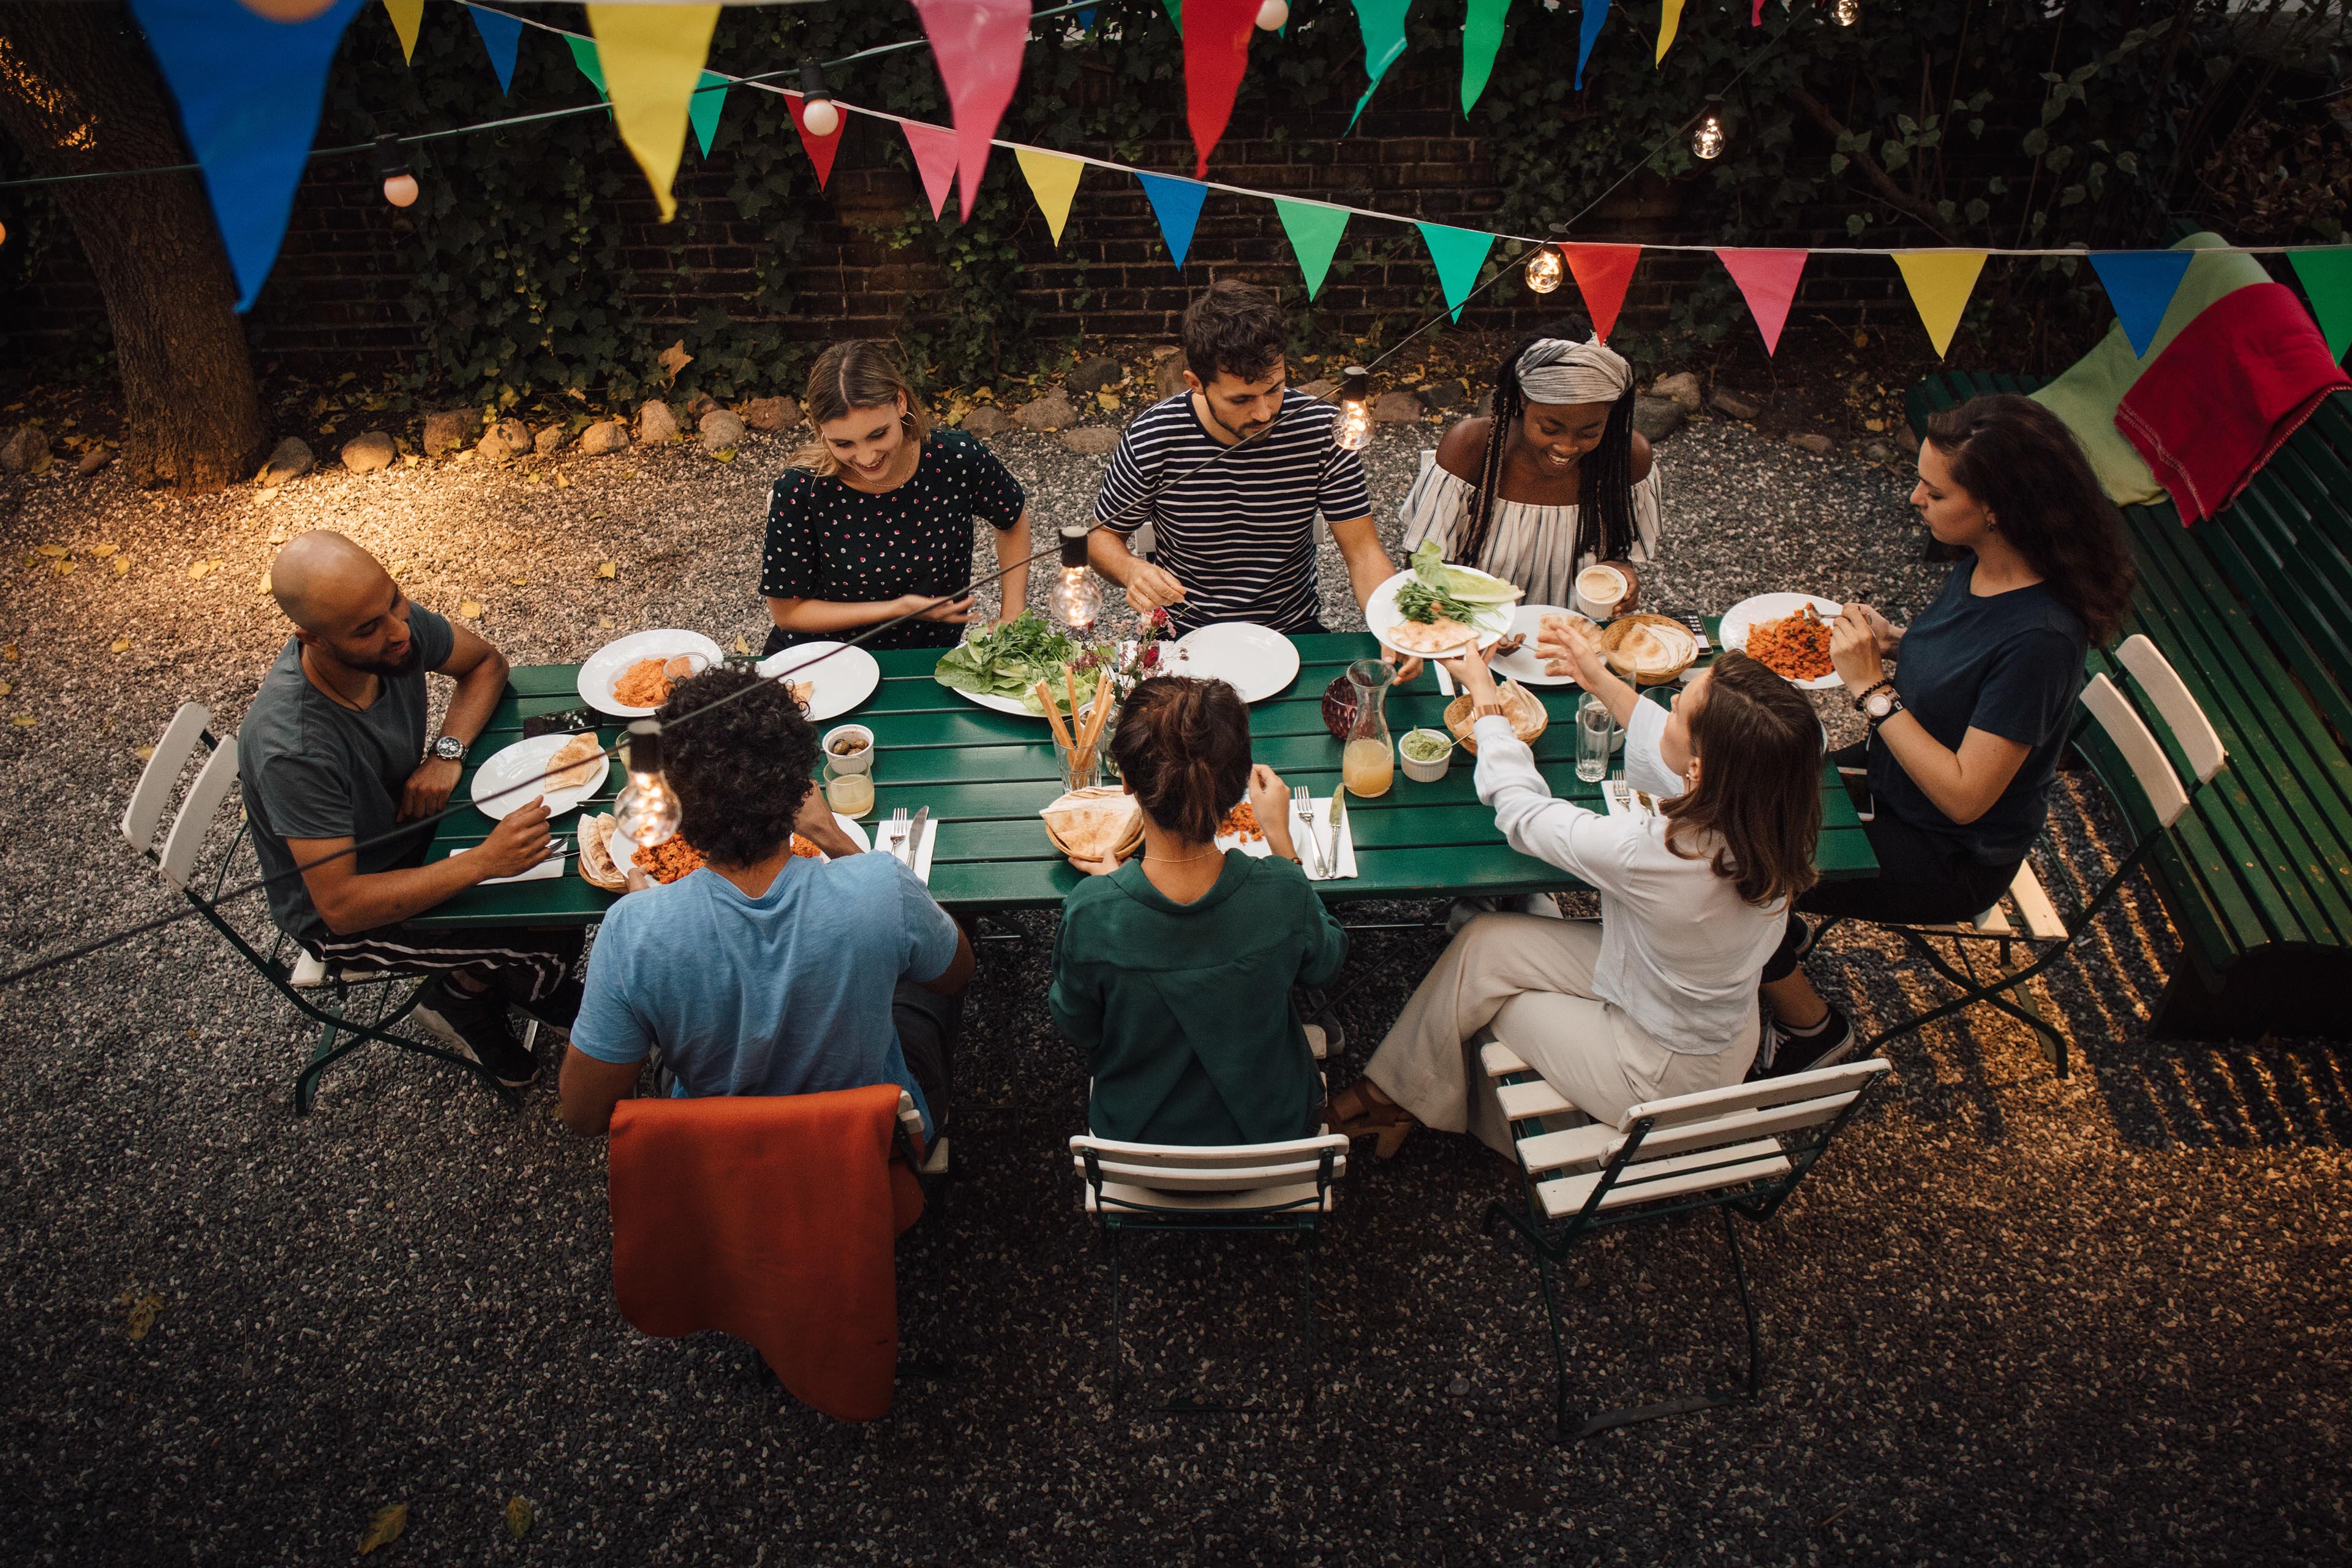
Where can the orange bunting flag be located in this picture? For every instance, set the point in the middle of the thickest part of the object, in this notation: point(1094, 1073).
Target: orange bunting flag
point(1603, 273)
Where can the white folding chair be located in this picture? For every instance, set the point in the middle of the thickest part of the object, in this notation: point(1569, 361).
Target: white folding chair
point(1278, 1187)
point(1737, 1150)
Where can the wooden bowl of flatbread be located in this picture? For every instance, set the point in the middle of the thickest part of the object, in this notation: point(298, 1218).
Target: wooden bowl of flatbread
point(1096, 824)
point(1648, 650)
point(596, 868)
point(1521, 706)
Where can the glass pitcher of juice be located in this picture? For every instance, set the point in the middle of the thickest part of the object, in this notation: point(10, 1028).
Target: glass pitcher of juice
point(1367, 766)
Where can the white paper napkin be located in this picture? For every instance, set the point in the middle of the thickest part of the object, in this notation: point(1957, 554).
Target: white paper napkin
point(545, 871)
point(1258, 849)
point(923, 853)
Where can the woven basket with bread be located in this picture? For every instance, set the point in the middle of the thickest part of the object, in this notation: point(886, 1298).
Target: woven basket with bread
point(1096, 824)
point(1647, 649)
point(596, 868)
point(1526, 713)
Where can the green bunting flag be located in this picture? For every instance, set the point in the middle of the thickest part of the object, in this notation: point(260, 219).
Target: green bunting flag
point(2326, 278)
point(1313, 230)
point(702, 111)
point(584, 54)
point(1459, 253)
point(1482, 39)
point(1384, 24)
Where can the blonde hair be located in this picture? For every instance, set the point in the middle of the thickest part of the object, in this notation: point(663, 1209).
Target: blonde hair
point(848, 376)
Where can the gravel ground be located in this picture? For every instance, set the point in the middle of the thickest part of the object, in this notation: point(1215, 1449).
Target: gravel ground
point(2012, 1319)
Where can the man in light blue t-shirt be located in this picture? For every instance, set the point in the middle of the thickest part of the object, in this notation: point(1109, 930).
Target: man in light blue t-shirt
point(765, 973)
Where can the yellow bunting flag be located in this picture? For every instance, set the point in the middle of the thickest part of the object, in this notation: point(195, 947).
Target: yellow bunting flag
point(1053, 181)
point(1940, 282)
point(653, 57)
point(1670, 18)
point(407, 15)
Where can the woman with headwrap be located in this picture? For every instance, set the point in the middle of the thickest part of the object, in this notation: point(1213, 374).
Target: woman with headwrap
point(1554, 481)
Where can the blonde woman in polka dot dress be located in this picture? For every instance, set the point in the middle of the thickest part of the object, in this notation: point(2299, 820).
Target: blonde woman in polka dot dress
point(874, 518)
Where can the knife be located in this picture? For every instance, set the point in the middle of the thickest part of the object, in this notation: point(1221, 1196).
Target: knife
point(914, 841)
point(1337, 822)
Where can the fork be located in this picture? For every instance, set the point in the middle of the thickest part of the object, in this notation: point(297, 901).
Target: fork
point(897, 832)
point(1302, 806)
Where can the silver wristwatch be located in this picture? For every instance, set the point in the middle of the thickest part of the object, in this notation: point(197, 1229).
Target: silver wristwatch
point(449, 749)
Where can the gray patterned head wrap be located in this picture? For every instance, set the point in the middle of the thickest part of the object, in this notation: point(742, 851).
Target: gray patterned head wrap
point(1559, 370)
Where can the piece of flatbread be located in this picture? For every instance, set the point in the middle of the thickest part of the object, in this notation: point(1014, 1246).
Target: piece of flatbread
point(1652, 650)
point(1094, 823)
point(596, 853)
point(579, 762)
point(1557, 630)
point(801, 692)
point(1440, 636)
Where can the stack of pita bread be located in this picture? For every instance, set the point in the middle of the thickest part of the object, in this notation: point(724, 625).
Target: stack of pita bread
point(1096, 824)
point(1649, 649)
point(596, 866)
point(1527, 715)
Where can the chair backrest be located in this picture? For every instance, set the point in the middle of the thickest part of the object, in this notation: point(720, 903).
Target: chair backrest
point(1743, 1111)
point(186, 840)
point(1221, 1168)
point(2137, 744)
point(152, 792)
point(2162, 686)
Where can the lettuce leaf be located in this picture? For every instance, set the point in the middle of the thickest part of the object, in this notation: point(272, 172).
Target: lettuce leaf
point(1460, 584)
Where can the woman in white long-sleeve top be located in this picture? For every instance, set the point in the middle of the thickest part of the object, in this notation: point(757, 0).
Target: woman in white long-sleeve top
point(1660, 998)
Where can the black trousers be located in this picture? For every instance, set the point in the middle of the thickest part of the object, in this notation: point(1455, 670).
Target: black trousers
point(929, 1026)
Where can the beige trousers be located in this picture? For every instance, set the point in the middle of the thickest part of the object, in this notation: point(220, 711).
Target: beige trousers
point(1528, 982)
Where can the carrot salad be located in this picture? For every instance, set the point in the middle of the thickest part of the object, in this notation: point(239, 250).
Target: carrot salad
point(1796, 647)
point(668, 860)
point(1241, 823)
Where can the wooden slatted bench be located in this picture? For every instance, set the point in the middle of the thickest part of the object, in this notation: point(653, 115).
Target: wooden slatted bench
point(2253, 606)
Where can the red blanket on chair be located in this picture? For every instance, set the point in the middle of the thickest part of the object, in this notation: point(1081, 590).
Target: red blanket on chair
point(773, 1219)
point(2227, 394)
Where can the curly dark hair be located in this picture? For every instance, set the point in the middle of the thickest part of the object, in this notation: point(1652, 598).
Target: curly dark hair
point(1184, 747)
point(2024, 465)
point(1606, 526)
point(1235, 328)
point(740, 772)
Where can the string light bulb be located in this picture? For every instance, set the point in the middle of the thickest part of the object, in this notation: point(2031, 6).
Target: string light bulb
point(1353, 432)
point(817, 110)
point(1847, 11)
point(399, 180)
point(1707, 141)
point(1078, 598)
point(647, 811)
point(1273, 14)
point(1543, 272)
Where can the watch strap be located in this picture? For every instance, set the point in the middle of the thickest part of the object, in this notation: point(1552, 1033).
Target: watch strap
point(1883, 684)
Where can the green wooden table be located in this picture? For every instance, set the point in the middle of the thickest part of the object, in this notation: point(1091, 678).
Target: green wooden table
point(985, 774)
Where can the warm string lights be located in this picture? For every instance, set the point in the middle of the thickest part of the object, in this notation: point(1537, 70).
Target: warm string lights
point(817, 109)
point(1078, 597)
point(1846, 12)
point(1273, 14)
point(1544, 271)
point(399, 180)
point(1353, 430)
point(646, 811)
point(1707, 141)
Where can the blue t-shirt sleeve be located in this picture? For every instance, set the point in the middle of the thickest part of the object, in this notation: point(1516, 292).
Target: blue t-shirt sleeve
point(930, 935)
point(608, 1029)
point(433, 638)
point(2029, 692)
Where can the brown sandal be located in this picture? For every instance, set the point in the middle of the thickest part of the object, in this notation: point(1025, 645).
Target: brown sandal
point(1354, 1113)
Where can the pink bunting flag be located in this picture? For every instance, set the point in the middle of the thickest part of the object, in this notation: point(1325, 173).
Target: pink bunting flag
point(1767, 281)
point(1216, 52)
point(821, 149)
point(934, 147)
point(1755, 18)
point(1603, 273)
point(977, 46)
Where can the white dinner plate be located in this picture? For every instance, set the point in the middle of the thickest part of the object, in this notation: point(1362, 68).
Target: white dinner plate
point(1254, 660)
point(1772, 607)
point(1381, 615)
point(1521, 664)
point(845, 676)
point(624, 849)
point(995, 704)
point(609, 663)
point(520, 763)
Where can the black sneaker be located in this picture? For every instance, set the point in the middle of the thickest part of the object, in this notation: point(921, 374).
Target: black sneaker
point(557, 1010)
point(1784, 1052)
point(477, 1028)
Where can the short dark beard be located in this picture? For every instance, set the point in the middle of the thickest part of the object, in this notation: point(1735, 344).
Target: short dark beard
point(385, 667)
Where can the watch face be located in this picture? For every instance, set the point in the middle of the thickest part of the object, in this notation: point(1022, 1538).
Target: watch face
point(1881, 705)
point(449, 749)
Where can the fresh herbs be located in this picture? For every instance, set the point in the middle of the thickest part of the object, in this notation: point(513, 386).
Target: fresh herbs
point(1008, 661)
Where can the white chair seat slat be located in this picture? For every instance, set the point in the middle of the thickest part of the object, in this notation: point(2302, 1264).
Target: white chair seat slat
point(1206, 1156)
point(1500, 1060)
point(1527, 1102)
point(149, 796)
point(1764, 1092)
point(2162, 686)
point(1569, 1147)
point(186, 840)
point(2034, 906)
point(1654, 1180)
point(1297, 1194)
point(1239, 1178)
point(1738, 1127)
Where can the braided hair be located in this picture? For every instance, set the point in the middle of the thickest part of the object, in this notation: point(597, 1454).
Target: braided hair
point(1605, 526)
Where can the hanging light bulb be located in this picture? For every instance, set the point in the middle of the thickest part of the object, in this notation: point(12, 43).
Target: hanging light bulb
point(1543, 273)
point(646, 811)
point(1353, 432)
point(1847, 11)
point(1273, 14)
point(1707, 141)
point(399, 182)
point(817, 110)
point(1078, 598)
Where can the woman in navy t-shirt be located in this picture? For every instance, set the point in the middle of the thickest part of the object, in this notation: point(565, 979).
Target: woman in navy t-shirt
point(1965, 734)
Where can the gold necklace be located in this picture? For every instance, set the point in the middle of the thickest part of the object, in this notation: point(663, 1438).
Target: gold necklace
point(1179, 859)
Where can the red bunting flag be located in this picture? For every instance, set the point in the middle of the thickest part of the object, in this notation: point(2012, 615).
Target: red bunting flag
point(977, 46)
point(1767, 281)
point(1603, 273)
point(821, 149)
point(1216, 52)
point(934, 147)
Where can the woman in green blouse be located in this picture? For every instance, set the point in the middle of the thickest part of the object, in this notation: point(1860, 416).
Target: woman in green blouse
point(1175, 970)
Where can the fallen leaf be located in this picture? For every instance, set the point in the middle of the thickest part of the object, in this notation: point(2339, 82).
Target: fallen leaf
point(142, 1316)
point(609, 570)
point(604, 624)
point(742, 643)
point(122, 566)
point(41, 464)
point(7, 687)
point(518, 1517)
point(630, 474)
point(563, 482)
point(197, 570)
point(64, 568)
point(385, 1527)
point(101, 550)
point(270, 494)
point(1109, 399)
point(595, 515)
point(120, 644)
point(725, 454)
point(674, 358)
point(7, 653)
point(465, 456)
point(24, 721)
point(470, 610)
point(55, 551)
point(144, 753)
point(265, 581)
point(518, 582)
point(1873, 424)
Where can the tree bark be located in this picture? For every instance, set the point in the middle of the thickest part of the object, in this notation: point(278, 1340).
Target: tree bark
point(79, 93)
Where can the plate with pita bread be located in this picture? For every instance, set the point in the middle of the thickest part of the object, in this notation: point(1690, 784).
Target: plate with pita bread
point(1648, 650)
point(1522, 663)
point(1447, 636)
point(564, 771)
point(630, 676)
point(827, 678)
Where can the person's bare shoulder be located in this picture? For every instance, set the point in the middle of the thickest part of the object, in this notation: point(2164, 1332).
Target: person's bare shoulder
point(1641, 457)
point(1463, 447)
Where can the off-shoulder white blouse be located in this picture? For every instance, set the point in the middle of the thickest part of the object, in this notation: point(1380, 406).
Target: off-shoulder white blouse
point(1527, 544)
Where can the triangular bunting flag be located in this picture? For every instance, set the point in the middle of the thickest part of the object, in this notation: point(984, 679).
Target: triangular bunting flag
point(1588, 30)
point(2139, 285)
point(653, 57)
point(407, 15)
point(1053, 181)
point(977, 45)
point(1459, 253)
point(1603, 273)
point(1767, 281)
point(1940, 282)
point(1670, 19)
point(584, 54)
point(501, 35)
point(820, 149)
point(1756, 17)
point(2326, 278)
point(1177, 204)
point(1482, 38)
point(1175, 9)
point(934, 147)
point(1382, 22)
point(248, 91)
point(1313, 230)
point(703, 109)
point(1216, 52)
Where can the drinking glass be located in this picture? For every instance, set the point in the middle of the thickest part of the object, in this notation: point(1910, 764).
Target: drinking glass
point(1594, 732)
point(849, 794)
point(1082, 766)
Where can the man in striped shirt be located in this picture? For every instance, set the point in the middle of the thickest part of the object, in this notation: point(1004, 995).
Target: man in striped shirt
point(1230, 474)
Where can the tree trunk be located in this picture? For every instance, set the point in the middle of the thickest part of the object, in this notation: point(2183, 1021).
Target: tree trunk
point(79, 93)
